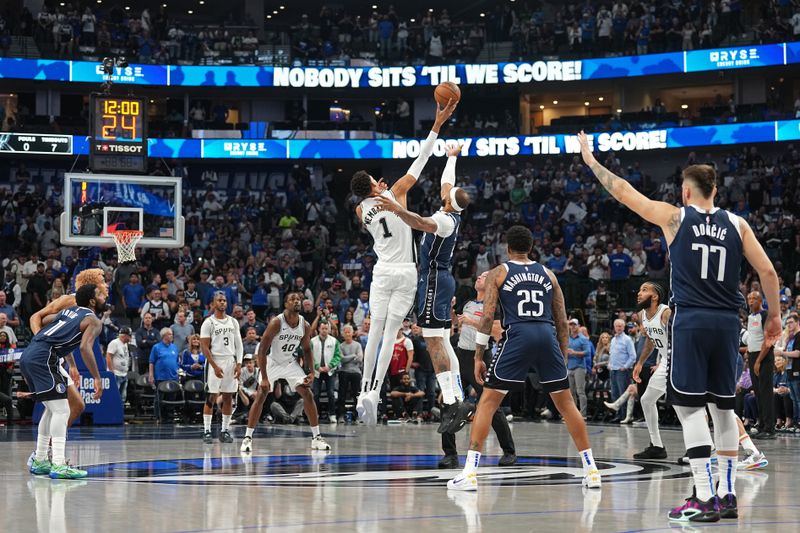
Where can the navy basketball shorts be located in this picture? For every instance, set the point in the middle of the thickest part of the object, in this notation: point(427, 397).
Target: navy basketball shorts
point(435, 292)
point(40, 369)
point(704, 344)
point(525, 346)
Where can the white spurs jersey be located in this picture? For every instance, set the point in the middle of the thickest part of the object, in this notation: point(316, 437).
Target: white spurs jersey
point(226, 339)
point(656, 330)
point(284, 345)
point(393, 240)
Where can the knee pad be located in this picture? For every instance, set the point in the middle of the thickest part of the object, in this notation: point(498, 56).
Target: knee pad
point(726, 430)
point(695, 426)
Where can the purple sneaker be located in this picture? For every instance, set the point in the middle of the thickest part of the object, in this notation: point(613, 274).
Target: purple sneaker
point(695, 510)
point(728, 507)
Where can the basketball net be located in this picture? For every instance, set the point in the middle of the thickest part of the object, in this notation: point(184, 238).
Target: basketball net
point(126, 244)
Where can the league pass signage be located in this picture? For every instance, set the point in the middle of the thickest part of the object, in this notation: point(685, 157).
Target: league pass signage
point(324, 468)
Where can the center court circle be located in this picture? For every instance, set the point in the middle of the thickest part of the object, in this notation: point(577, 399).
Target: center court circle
point(371, 471)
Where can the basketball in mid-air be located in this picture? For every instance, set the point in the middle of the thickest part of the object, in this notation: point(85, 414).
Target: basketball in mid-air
point(445, 92)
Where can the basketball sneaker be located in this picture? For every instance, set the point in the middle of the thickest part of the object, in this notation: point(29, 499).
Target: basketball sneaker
point(454, 416)
point(367, 408)
point(463, 482)
point(591, 479)
point(207, 437)
point(225, 437)
point(695, 510)
point(31, 458)
point(247, 445)
point(319, 443)
point(728, 507)
point(652, 452)
point(40, 468)
point(67, 472)
point(754, 461)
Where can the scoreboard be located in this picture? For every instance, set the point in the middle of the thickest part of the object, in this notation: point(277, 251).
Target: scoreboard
point(118, 134)
point(36, 143)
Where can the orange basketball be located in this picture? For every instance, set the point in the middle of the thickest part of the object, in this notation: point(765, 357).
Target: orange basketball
point(446, 91)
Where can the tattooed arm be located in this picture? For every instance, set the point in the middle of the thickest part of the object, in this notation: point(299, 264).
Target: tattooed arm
point(559, 315)
point(494, 280)
point(665, 215)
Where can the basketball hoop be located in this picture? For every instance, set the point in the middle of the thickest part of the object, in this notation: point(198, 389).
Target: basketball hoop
point(126, 244)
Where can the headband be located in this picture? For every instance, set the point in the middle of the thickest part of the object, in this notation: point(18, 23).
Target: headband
point(453, 200)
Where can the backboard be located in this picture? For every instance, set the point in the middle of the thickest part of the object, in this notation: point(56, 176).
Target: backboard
point(95, 205)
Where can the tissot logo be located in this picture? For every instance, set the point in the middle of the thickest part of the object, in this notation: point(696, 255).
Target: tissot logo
point(371, 470)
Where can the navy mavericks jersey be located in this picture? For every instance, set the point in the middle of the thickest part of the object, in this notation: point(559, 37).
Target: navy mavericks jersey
point(436, 250)
point(63, 334)
point(705, 258)
point(526, 294)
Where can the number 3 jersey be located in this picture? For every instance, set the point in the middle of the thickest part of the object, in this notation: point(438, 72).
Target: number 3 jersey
point(706, 256)
point(226, 339)
point(526, 295)
point(394, 243)
point(285, 343)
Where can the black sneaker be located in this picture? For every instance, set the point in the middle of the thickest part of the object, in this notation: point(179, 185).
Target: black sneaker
point(728, 507)
point(764, 435)
point(450, 418)
point(207, 437)
point(448, 461)
point(225, 437)
point(508, 459)
point(652, 452)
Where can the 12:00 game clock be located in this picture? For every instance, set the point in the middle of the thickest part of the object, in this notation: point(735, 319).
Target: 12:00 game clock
point(119, 134)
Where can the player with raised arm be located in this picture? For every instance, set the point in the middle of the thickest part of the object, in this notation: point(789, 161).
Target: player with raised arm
point(221, 342)
point(394, 280)
point(76, 326)
point(284, 335)
point(706, 247)
point(437, 287)
point(535, 335)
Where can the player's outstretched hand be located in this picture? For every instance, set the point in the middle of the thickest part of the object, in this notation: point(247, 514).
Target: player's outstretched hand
point(480, 372)
point(636, 371)
point(454, 150)
point(265, 386)
point(388, 204)
point(218, 371)
point(586, 151)
point(444, 113)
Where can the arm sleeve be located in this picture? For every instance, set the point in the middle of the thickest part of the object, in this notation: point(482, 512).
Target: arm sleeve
point(425, 151)
point(449, 174)
point(237, 344)
point(445, 225)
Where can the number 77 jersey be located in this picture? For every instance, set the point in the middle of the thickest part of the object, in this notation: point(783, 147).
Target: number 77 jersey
point(705, 257)
point(526, 294)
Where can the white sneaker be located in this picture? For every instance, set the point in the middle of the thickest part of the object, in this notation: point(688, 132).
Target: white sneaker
point(546, 413)
point(612, 405)
point(30, 459)
point(368, 408)
point(592, 479)
point(319, 443)
point(463, 482)
point(333, 419)
point(754, 461)
point(247, 445)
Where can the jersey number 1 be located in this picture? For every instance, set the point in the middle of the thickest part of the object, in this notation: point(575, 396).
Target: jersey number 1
point(386, 232)
point(705, 251)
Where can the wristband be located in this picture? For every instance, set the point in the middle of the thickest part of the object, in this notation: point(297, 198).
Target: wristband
point(481, 338)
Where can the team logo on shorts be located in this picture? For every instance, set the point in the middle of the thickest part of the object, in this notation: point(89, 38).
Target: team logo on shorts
point(61, 388)
point(372, 471)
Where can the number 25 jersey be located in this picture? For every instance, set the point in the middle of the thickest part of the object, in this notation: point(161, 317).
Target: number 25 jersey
point(526, 295)
point(705, 257)
point(394, 243)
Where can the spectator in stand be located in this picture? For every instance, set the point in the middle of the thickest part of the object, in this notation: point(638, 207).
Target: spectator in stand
point(657, 261)
point(133, 298)
point(248, 385)
point(783, 400)
point(402, 359)
point(579, 349)
point(406, 399)
point(250, 340)
point(11, 293)
point(164, 366)
point(349, 373)
point(37, 288)
point(620, 267)
point(622, 357)
point(598, 265)
point(327, 356)
point(5, 328)
point(193, 361)
point(118, 361)
point(181, 331)
point(789, 348)
point(424, 375)
point(156, 307)
point(288, 405)
point(252, 322)
point(146, 337)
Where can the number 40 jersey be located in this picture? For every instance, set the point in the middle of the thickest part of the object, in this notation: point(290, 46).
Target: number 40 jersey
point(526, 294)
point(285, 343)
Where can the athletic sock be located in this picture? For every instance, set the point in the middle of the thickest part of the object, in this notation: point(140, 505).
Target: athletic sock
point(207, 423)
point(747, 443)
point(42, 445)
point(703, 480)
point(726, 466)
point(315, 431)
point(249, 432)
point(445, 380)
point(455, 368)
point(473, 460)
point(588, 460)
point(59, 447)
point(226, 422)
